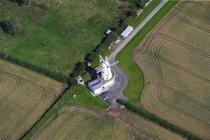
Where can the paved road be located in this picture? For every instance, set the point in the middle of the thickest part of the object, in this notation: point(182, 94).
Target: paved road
point(116, 92)
point(136, 30)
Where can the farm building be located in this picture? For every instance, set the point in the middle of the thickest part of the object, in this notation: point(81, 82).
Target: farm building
point(126, 32)
point(105, 80)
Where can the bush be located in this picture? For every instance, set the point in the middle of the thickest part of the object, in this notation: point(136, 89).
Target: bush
point(110, 39)
point(142, 3)
point(100, 48)
point(72, 81)
point(51, 74)
point(128, 9)
point(79, 69)
point(121, 28)
point(107, 41)
point(8, 27)
point(92, 57)
point(21, 2)
point(138, 3)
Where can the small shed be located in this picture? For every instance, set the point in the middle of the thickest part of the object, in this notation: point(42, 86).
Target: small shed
point(126, 32)
point(108, 32)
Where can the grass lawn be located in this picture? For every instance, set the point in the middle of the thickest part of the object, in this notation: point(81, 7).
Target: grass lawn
point(56, 35)
point(131, 69)
point(82, 97)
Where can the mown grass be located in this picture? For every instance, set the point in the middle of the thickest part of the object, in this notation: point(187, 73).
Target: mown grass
point(56, 36)
point(82, 96)
point(127, 64)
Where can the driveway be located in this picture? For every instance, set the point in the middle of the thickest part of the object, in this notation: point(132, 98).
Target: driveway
point(116, 92)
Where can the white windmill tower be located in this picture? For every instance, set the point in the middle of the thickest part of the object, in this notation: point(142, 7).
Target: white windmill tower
point(106, 72)
point(106, 77)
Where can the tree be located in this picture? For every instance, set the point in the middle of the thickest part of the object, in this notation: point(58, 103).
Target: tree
point(101, 48)
point(21, 2)
point(138, 3)
point(28, 2)
point(110, 39)
point(128, 8)
point(8, 27)
point(142, 3)
point(72, 81)
point(79, 69)
point(92, 57)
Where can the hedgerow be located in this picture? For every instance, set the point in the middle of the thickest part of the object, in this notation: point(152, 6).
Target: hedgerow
point(152, 117)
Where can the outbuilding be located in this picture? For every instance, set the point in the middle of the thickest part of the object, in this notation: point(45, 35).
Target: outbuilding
point(108, 32)
point(126, 32)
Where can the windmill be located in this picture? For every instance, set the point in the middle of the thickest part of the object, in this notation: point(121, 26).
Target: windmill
point(105, 77)
point(105, 68)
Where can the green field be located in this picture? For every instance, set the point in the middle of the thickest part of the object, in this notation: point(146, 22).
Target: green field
point(55, 34)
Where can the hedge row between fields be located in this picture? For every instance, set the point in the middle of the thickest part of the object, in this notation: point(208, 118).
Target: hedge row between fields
point(152, 117)
point(46, 72)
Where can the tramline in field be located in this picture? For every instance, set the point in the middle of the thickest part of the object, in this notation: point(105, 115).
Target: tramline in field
point(175, 60)
point(24, 97)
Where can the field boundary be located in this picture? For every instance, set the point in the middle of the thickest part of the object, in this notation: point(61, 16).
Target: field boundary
point(18, 80)
point(163, 123)
point(51, 113)
point(21, 96)
point(54, 75)
point(52, 109)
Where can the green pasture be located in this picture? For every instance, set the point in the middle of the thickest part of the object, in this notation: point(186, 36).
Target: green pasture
point(56, 35)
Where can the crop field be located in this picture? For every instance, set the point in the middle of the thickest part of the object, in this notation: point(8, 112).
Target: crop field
point(175, 60)
point(84, 123)
point(79, 122)
point(147, 128)
point(55, 34)
point(24, 97)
